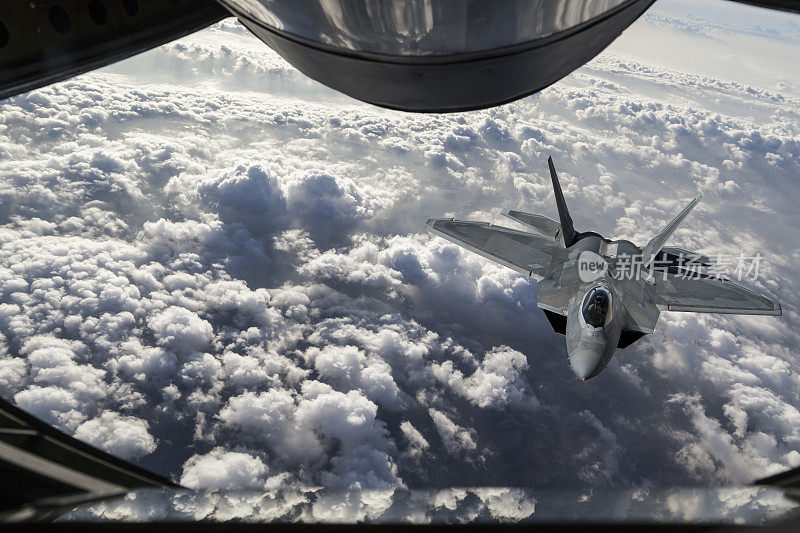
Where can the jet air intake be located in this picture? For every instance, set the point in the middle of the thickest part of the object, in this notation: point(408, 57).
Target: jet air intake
point(437, 55)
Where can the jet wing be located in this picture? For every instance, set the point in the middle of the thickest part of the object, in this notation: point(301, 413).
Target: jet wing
point(526, 253)
point(710, 295)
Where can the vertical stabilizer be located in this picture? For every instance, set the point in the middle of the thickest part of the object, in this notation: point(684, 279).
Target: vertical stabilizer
point(567, 230)
point(650, 251)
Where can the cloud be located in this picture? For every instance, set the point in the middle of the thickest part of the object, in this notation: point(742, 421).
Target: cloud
point(488, 505)
point(125, 436)
point(181, 330)
point(239, 275)
point(416, 442)
point(456, 439)
point(224, 470)
point(496, 383)
point(305, 429)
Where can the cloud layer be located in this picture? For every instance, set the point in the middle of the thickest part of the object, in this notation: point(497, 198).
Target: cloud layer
point(229, 286)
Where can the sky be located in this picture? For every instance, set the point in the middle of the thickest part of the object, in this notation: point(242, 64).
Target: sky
point(216, 268)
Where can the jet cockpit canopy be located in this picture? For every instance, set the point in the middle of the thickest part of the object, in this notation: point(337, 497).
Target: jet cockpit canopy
point(597, 307)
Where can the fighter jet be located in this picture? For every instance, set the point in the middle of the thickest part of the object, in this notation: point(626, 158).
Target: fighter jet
point(603, 294)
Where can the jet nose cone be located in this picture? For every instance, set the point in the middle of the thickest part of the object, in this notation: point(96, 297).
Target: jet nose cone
point(585, 363)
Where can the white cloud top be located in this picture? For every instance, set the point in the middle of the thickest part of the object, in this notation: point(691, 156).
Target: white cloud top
point(220, 274)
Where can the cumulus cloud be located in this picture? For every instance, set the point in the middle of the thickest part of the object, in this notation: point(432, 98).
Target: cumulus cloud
point(416, 442)
point(497, 382)
point(125, 436)
point(231, 285)
point(224, 469)
point(735, 506)
point(456, 439)
point(181, 330)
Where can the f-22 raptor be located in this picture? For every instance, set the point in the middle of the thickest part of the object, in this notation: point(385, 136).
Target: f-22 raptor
point(603, 294)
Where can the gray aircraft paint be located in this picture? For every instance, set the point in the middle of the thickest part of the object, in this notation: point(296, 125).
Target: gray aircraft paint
point(563, 286)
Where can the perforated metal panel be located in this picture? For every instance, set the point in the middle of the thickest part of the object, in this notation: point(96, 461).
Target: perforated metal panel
point(43, 41)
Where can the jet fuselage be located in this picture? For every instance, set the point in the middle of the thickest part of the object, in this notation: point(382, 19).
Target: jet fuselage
point(595, 318)
point(603, 294)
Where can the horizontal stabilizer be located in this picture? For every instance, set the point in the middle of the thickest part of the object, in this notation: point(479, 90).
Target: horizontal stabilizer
point(541, 224)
